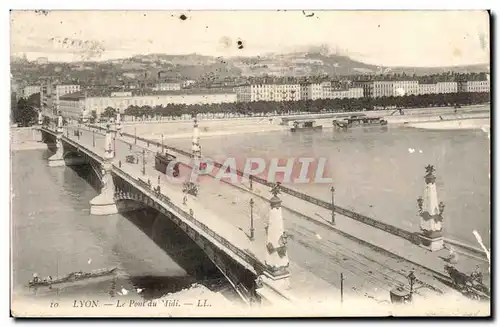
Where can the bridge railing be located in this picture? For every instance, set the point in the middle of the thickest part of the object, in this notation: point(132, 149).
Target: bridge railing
point(78, 146)
point(250, 259)
point(307, 198)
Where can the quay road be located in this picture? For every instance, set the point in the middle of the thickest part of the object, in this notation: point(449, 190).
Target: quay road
point(311, 247)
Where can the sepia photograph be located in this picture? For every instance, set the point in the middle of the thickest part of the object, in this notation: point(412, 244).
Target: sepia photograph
point(272, 163)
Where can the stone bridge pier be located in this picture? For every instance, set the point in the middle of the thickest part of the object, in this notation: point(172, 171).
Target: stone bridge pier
point(104, 203)
point(57, 159)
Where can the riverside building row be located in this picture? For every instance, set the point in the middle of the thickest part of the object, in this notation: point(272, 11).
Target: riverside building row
point(69, 99)
point(377, 89)
point(359, 89)
point(79, 104)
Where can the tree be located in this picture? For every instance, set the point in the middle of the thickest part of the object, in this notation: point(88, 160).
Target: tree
point(34, 100)
point(25, 114)
point(109, 112)
point(46, 121)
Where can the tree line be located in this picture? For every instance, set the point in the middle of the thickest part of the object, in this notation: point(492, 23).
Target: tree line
point(313, 106)
point(24, 112)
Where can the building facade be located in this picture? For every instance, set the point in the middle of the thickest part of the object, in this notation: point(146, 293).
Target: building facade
point(401, 88)
point(382, 89)
point(351, 93)
point(377, 89)
point(427, 89)
point(314, 91)
point(51, 93)
point(295, 92)
point(474, 86)
point(167, 86)
point(77, 104)
point(268, 92)
point(446, 87)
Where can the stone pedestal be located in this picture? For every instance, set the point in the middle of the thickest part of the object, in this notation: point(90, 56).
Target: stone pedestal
point(431, 214)
point(118, 124)
point(109, 151)
point(37, 134)
point(104, 203)
point(57, 160)
point(273, 290)
point(276, 255)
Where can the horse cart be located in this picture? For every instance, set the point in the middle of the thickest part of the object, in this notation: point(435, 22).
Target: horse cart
point(471, 285)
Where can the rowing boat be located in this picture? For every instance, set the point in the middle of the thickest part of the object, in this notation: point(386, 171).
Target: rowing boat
point(73, 277)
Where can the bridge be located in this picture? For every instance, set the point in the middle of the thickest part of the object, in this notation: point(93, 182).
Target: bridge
point(249, 264)
point(255, 263)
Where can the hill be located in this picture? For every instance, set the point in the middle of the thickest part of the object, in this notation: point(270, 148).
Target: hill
point(310, 62)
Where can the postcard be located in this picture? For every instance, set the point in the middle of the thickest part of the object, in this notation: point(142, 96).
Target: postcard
point(281, 163)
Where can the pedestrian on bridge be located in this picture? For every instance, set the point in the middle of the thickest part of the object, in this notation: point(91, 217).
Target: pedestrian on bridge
point(452, 255)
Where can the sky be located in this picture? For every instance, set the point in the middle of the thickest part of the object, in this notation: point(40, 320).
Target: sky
point(386, 38)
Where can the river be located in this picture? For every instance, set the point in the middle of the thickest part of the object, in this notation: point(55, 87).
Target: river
point(379, 171)
point(54, 234)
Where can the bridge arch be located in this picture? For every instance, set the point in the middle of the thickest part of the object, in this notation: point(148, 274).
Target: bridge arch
point(75, 158)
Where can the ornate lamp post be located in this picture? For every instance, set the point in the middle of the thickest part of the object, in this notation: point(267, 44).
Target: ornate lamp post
point(441, 208)
point(332, 190)
point(135, 135)
point(411, 279)
point(252, 230)
point(420, 203)
point(93, 138)
point(430, 211)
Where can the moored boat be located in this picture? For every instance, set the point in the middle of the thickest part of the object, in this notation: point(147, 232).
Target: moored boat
point(72, 277)
point(305, 125)
point(358, 120)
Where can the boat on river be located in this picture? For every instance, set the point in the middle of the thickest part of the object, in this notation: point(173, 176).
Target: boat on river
point(358, 120)
point(72, 277)
point(306, 125)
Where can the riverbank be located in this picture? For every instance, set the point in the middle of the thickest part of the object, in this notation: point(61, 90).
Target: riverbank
point(25, 138)
point(454, 124)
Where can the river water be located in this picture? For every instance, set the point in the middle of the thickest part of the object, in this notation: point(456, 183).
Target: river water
point(54, 234)
point(379, 171)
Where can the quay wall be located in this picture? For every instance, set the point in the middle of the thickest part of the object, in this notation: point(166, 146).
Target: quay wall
point(242, 125)
point(25, 138)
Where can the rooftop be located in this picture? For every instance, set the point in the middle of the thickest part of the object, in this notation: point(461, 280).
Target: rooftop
point(94, 93)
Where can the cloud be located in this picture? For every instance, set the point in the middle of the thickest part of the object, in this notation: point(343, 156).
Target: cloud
point(383, 38)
